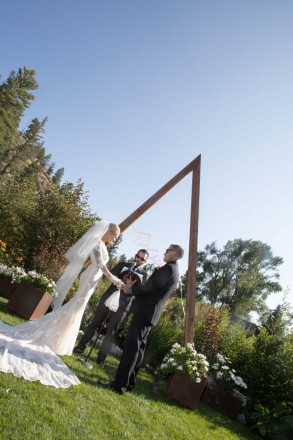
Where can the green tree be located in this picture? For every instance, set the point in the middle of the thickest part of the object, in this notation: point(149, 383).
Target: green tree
point(21, 152)
point(27, 155)
point(30, 220)
point(240, 276)
point(15, 97)
point(279, 321)
point(39, 217)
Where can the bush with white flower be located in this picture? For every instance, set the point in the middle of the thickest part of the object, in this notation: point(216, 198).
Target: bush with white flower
point(18, 274)
point(222, 375)
point(6, 270)
point(184, 360)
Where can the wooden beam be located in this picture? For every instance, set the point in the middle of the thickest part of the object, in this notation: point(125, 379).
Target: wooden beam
point(193, 167)
point(159, 194)
point(192, 259)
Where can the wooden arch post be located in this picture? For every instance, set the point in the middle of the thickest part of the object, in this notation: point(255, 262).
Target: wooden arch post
point(193, 167)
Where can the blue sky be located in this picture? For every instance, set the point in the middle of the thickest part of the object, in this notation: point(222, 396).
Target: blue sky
point(135, 90)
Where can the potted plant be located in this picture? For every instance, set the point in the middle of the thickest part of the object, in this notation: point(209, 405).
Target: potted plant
point(224, 389)
point(186, 370)
point(7, 287)
point(32, 294)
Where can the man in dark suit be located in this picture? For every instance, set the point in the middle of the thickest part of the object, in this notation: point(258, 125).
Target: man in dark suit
point(117, 317)
point(150, 299)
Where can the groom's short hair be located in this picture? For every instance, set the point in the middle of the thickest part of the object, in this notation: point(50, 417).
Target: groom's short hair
point(179, 250)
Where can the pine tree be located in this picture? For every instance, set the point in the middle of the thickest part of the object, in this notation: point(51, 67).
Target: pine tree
point(15, 97)
point(27, 153)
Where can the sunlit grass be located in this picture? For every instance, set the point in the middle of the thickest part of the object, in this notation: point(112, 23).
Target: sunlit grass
point(32, 411)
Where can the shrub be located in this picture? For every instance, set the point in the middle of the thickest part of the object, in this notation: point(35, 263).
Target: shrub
point(6, 257)
point(265, 362)
point(210, 325)
point(29, 219)
point(50, 261)
point(275, 423)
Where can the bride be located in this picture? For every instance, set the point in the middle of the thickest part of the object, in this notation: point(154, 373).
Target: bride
point(30, 350)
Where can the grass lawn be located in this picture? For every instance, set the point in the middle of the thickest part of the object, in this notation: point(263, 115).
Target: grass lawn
point(32, 411)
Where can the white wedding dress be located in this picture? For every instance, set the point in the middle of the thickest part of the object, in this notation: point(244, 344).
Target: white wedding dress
point(30, 350)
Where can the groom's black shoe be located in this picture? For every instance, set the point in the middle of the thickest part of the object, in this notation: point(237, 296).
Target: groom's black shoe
point(110, 386)
point(78, 350)
point(129, 389)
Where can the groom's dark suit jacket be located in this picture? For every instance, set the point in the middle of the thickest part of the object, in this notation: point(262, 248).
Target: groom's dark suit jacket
point(150, 299)
point(124, 300)
point(151, 296)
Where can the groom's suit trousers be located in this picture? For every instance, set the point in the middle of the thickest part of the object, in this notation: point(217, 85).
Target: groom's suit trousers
point(133, 354)
point(150, 299)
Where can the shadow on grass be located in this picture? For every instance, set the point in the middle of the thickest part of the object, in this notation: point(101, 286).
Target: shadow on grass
point(3, 306)
point(148, 388)
point(8, 316)
point(152, 389)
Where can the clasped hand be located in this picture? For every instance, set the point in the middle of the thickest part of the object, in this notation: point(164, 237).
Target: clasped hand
point(127, 289)
point(129, 282)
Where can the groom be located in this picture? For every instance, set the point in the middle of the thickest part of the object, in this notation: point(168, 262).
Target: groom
point(150, 299)
point(117, 317)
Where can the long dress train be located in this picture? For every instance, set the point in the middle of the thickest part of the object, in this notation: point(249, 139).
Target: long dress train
point(30, 350)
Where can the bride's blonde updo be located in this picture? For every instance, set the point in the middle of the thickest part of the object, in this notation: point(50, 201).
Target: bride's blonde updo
point(114, 228)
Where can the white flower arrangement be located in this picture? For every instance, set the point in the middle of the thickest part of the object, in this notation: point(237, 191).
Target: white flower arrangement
point(225, 377)
point(184, 360)
point(18, 274)
point(6, 271)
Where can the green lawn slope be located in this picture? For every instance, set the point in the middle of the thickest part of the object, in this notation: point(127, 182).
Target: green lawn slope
point(31, 411)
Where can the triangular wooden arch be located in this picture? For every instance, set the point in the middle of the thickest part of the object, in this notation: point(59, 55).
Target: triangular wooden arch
point(193, 167)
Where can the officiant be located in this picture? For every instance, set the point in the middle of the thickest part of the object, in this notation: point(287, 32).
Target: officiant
point(117, 316)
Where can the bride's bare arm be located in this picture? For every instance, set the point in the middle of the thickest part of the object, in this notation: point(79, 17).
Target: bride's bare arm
point(118, 283)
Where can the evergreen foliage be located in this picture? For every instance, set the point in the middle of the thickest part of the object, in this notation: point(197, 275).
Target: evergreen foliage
point(15, 97)
point(21, 152)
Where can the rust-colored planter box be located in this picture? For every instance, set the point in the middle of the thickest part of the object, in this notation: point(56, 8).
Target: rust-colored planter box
point(222, 401)
point(181, 390)
point(29, 301)
point(7, 288)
